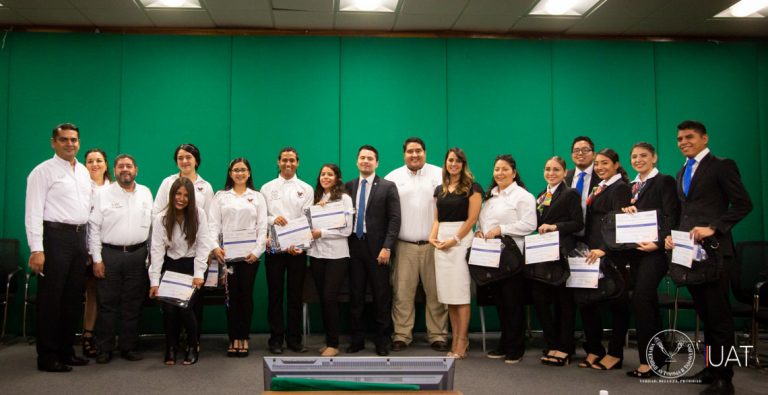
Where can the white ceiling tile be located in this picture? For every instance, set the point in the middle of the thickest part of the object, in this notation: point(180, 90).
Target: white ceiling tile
point(303, 20)
point(424, 22)
point(603, 26)
point(493, 7)
point(50, 16)
point(226, 17)
point(485, 23)
point(434, 7)
point(729, 27)
point(627, 8)
point(36, 4)
point(224, 5)
point(535, 24)
point(659, 26)
point(104, 4)
point(10, 17)
point(692, 9)
point(303, 5)
point(117, 17)
point(364, 21)
point(180, 18)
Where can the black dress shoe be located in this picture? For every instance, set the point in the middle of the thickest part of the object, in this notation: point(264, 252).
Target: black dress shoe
point(275, 348)
point(132, 356)
point(437, 346)
point(704, 376)
point(55, 366)
point(170, 356)
point(398, 345)
point(382, 351)
point(353, 348)
point(297, 348)
point(74, 360)
point(719, 387)
point(104, 357)
point(193, 353)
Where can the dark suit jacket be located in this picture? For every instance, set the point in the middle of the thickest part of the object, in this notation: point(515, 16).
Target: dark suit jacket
point(660, 194)
point(717, 197)
point(593, 181)
point(565, 212)
point(382, 213)
point(613, 198)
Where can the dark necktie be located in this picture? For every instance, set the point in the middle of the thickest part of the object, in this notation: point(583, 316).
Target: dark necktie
point(688, 175)
point(360, 211)
point(580, 183)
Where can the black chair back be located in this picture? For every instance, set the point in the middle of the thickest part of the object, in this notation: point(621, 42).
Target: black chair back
point(749, 268)
point(9, 256)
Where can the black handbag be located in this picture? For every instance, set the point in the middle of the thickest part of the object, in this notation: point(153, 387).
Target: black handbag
point(700, 272)
point(510, 263)
point(551, 273)
point(608, 230)
point(609, 287)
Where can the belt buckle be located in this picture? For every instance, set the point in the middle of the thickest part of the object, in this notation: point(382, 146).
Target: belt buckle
point(125, 248)
point(78, 227)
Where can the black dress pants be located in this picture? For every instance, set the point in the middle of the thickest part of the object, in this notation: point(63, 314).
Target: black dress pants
point(296, 268)
point(364, 270)
point(120, 296)
point(60, 292)
point(646, 271)
point(176, 317)
point(558, 325)
point(240, 306)
point(330, 275)
point(591, 316)
point(509, 295)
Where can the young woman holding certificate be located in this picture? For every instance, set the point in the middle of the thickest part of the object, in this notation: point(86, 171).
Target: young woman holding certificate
point(458, 205)
point(651, 190)
point(181, 242)
point(329, 254)
point(558, 209)
point(510, 210)
point(239, 207)
point(611, 195)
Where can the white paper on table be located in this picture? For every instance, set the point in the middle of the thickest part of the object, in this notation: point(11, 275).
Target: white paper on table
point(295, 233)
point(329, 216)
point(213, 275)
point(682, 253)
point(176, 287)
point(583, 275)
point(485, 252)
point(542, 247)
point(637, 227)
point(237, 244)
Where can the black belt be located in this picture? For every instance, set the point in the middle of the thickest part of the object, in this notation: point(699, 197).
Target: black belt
point(418, 243)
point(124, 248)
point(63, 226)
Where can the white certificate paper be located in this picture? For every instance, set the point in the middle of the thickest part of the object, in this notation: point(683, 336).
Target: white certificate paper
point(237, 244)
point(175, 287)
point(542, 247)
point(582, 274)
point(682, 253)
point(485, 252)
point(330, 216)
point(637, 228)
point(213, 274)
point(295, 233)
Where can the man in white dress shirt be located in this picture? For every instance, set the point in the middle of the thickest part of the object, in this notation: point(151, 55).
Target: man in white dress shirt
point(58, 201)
point(415, 258)
point(118, 231)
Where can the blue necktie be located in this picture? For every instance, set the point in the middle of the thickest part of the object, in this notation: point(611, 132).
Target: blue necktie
point(580, 183)
point(687, 175)
point(360, 211)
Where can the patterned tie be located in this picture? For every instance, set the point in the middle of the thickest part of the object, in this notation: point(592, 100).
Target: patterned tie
point(687, 175)
point(580, 183)
point(544, 200)
point(594, 193)
point(636, 188)
point(360, 211)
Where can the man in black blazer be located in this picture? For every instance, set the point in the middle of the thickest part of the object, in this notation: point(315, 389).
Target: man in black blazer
point(583, 157)
point(377, 224)
point(713, 200)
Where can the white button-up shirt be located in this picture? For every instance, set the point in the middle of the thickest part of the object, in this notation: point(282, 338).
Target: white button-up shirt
point(417, 206)
point(287, 198)
point(56, 192)
point(229, 212)
point(177, 246)
point(203, 194)
point(513, 210)
point(333, 243)
point(698, 158)
point(119, 217)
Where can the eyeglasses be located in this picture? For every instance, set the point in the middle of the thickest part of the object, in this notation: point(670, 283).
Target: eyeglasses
point(239, 170)
point(581, 150)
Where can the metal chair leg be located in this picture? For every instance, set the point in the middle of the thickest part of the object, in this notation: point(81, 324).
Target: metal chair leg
point(482, 324)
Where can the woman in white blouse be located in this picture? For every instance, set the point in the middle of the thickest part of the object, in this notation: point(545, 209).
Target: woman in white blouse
point(187, 158)
point(239, 207)
point(509, 210)
point(181, 242)
point(98, 169)
point(329, 254)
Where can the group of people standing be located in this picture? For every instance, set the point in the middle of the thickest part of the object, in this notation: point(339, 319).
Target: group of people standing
point(410, 228)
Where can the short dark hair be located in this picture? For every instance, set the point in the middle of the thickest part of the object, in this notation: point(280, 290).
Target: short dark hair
point(696, 126)
point(416, 140)
point(288, 149)
point(65, 126)
point(192, 149)
point(124, 156)
point(369, 148)
point(583, 138)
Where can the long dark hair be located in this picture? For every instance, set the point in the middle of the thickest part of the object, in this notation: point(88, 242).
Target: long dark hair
point(192, 149)
point(189, 227)
point(513, 164)
point(614, 157)
point(465, 179)
point(230, 183)
point(336, 190)
point(107, 174)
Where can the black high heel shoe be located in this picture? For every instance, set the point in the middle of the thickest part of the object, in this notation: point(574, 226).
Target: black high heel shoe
point(599, 365)
point(89, 348)
point(170, 356)
point(193, 353)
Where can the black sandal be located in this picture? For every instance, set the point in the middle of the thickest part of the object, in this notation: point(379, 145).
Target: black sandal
point(641, 375)
point(231, 350)
point(558, 361)
point(89, 348)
